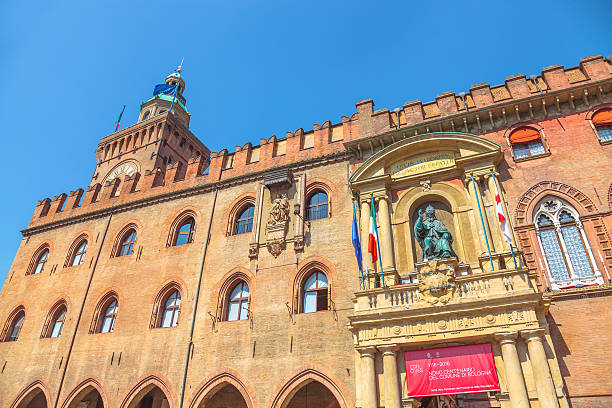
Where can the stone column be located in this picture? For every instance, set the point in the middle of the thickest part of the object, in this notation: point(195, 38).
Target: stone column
point(514, 373)
point(369, 398)
point(392, 391)
point(386, 238)
point(539, 364)
point(365, 225)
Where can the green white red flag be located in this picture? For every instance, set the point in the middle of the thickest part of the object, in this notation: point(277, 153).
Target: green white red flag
point(373, 235)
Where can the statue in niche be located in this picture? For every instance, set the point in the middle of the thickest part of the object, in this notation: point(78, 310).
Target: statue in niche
point(279, 213)
point(432, 235)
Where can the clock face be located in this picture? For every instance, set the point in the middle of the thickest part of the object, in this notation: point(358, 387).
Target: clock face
point(128, 168)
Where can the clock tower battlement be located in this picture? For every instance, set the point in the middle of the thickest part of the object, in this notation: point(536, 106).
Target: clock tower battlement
point(159, 139)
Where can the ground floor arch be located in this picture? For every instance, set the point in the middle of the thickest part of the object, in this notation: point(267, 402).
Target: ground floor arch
point(225, 395)
point(312, 394)
point(33, 396)
point(86, 395)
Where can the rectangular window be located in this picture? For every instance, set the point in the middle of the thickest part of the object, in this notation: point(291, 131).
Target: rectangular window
point(532, 148)
point(554, 255)
point(605, 133)
point(577, 253)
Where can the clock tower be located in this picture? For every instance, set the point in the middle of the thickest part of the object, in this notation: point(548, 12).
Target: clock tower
point(160, 137)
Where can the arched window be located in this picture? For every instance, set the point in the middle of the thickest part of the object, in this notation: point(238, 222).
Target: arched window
point(15, 326)
point(58, 323)
point(317, 206)
point(126, 246)
point(244, 221)
point(107, 323)
point(146, 115)
point(79, 254)
point(315, 293)
point(238, 302)
point(40, 260)
point(567, 253)
point(172, 307)
point(526, 142)
point(184, 233)
point(602, 120)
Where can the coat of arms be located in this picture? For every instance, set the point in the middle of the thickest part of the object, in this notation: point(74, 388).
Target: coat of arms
point(436, 281)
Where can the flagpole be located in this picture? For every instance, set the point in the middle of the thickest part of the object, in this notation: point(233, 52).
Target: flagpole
point(382, 272)
point(119, 119)
point(359, 243)
point(507, 220)
point(177, 85)
point(484, 230)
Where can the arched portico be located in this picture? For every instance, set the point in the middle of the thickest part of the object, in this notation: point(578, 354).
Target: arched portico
point(88, 394)
point(310, 389)
point(35, 395)
point(223, 390)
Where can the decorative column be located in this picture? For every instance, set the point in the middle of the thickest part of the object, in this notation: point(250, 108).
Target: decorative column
point(386, 238)
point(539, 364)
point(392, 392)
point(369, 399)
point(514, 373)
point(365, 225)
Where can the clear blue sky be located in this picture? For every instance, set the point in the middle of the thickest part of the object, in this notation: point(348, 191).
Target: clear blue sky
point(253, 69)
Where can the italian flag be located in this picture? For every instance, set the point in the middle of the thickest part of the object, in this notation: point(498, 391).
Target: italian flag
point(373, 235)
point(503, 222)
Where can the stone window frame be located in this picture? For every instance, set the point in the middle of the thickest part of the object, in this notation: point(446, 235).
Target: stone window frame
point(224, 292)
point(177, 224)
point(300, 280)
point(564, 206)
point(35, 259)
point(160, 302)
point(51, 316)
point(236, 209)
point(119, 237)
point(543, 140)
point(10, 322)
point(72, 251)
point(589, 117)
point(98, 317)
point(311, 189)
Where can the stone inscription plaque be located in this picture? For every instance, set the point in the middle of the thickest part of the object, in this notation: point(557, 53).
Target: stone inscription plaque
point(422, 163)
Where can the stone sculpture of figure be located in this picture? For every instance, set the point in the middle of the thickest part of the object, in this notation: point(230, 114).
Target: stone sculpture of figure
point(431, 234)
point(280, 210)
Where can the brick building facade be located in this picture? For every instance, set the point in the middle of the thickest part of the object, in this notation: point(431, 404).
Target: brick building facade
point(182, 277)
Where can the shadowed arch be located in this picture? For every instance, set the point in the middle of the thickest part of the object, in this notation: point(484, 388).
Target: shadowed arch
point(523, 213)
point(35, 395)
point(145, 385)
point(208, 390)
point(285, 394)
point(83, 391)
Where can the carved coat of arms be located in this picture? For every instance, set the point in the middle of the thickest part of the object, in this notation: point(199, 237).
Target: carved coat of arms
point(436, 282)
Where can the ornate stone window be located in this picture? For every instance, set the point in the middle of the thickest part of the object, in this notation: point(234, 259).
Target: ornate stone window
point(602, 122)
point(76, 255)
point(526, 142)
point(126, 245)
point(244, 220)
point(39, 260)
point(54, 324)
point(317, 205)
point(105, 314)
point(238, 302)
point(182, 229)
point(567, 254)
point(315, 293)
point(14, 325)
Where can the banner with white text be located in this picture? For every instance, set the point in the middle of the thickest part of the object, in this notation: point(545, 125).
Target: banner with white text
point(450, 370)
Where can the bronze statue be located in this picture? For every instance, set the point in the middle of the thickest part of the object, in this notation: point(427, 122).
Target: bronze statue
point(433, 237)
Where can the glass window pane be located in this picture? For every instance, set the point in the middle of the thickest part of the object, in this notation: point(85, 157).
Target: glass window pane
point(175, 319)
point(577, 253)
point(322, 299)
point(232, 313)
point(185, 228)
point(310, 302)
point(554, 256)
point(57, 329)
point(39, 267)
point(520, 151)
point(181, 239)
point(244, 310)
point(536, 147)
point(167, 318)
point(245, 290)
point(605, 133)
point(311, 282)
point(321, 280)
point(235, 294)
point(106, 325)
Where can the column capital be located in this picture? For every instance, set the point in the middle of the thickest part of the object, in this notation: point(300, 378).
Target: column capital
point(388, 349)
point(506, 337)
point(533, 334)
point(367, 351)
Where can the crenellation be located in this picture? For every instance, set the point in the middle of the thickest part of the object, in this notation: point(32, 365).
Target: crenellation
point(517, 86)
point(129, 184)
point(447, 103)
point(57, 205)
point(594, 67)
point(555, 77)
point(414, 112)
point(74, 199)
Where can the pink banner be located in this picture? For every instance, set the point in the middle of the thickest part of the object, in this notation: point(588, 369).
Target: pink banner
point(450, 370)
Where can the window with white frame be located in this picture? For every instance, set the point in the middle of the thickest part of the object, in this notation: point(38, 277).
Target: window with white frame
point(567, 254)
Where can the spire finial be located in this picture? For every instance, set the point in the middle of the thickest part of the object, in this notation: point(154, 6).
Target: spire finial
point(180, 67)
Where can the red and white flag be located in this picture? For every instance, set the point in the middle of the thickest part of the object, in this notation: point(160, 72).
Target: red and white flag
point(503, 222)
point(373, 235)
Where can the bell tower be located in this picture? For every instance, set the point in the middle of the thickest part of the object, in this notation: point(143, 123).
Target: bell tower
point(161, 137)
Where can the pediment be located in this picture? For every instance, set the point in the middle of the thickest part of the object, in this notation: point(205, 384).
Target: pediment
point(428, 152)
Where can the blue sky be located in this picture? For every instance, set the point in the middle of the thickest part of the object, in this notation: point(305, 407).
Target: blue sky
point(253, 69)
